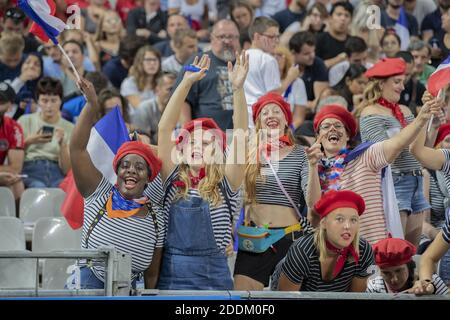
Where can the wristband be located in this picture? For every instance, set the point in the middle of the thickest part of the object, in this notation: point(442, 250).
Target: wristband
point(192, 68)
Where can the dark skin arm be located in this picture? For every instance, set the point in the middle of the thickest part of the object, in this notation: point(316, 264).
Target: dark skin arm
point(151, 275)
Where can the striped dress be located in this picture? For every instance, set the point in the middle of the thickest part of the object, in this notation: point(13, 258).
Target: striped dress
point(302, 265)
point(378, 285)
point(134, 235)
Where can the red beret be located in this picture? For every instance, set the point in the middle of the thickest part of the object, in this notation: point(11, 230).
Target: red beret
point(387, 67)
point(333, 199)
point(444, 130)
point(336, 112)
point(392, 252)
point(205, 124)
point(272, 98)
point(143, 150)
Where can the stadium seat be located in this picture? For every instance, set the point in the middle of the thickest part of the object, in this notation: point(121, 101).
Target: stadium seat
point(8, 204)
point(12, 236)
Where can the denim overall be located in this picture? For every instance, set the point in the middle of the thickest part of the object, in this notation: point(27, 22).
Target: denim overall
point(192, 260)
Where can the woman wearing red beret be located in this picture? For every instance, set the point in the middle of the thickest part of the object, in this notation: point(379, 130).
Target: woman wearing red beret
point(333, 166)
point(201, 191)
point(266, 203)
point(381, 117)
point(334, 258)
point(112, 211)
point(394, 257)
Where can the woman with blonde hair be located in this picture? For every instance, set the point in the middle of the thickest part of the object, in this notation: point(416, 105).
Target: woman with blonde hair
point(141, 82)
point(200, 190)
point(273, 199)
point(107, 38)
point(295, 93)
point(334, 258)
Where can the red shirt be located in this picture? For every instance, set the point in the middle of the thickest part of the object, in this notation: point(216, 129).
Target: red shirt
point(11, 137)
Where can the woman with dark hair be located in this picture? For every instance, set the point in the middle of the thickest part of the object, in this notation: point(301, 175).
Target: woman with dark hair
point(47, 137)
point(394, 257)
point(351, 87)
point(390, 43)
point(109, 98)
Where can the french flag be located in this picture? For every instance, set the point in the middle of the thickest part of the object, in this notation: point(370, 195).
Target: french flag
point(45, 25)
point(440, 78)
point(108, 134)
point(401, 28)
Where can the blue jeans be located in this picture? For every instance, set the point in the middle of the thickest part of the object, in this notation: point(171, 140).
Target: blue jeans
point(88, 280)
point(409, 193)
point(42, 174)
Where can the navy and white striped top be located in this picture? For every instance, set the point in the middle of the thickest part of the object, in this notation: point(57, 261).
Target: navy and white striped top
point(446, 171)
point(378, 285)
point(220, 215)
point(292, 171)
point(134, 235)
point(302, 265)
point(437, 215)
point(374, 128)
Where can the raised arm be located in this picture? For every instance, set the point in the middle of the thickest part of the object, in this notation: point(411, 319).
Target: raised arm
point(86, 175)
point(171, 114)
point(314, 192)
point(235, 169)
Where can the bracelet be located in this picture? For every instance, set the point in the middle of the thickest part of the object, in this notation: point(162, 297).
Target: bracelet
point(192, 68)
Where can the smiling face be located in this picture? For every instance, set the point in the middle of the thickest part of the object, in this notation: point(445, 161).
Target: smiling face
point(272, 119)
point(335, 136)
point(201, 148)
point(396, 277)
point(132, 176)
point(392, 87)
point(341, 226)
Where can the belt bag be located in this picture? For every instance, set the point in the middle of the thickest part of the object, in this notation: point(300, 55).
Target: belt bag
point(258, 240)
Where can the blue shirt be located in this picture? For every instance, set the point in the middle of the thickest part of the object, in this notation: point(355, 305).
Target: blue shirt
point(72, 108)
point(315, 72)
point(6, 73)
point(53, 69)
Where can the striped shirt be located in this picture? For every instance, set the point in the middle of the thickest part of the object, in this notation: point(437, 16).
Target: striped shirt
point(302, 265)
point(133, 235)
point(220, 215)
point(292, 171)
point(376, 128)
point(437, 215)
point(446, 171)
point(378, 285)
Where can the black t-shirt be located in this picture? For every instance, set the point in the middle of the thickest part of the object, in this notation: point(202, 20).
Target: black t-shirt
point(164, 48)
point(287, 17)
point(316, 72)
point(432, 21)
point(407, 99)
point(328, 47)
point(212, 97)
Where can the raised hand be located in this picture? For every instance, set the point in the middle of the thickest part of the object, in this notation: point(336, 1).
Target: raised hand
point(89, 91)
point(431, 107)
point(293, 73)
point(238, 73)
point(314, 153)
point(203, 64)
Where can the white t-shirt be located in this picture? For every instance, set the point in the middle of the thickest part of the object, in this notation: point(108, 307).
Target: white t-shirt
point(297, 94)
point(263, 76)
point(129, 88)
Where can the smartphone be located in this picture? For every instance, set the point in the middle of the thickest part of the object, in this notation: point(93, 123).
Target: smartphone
point(47, 130)
point(23, 176)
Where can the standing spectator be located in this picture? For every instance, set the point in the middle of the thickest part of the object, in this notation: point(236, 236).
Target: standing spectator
point(175, 22)
point(315, 74)
point(184, 44)
point(11, 55)
point(331, 44)
point(211, 97)
point(141, 82)
point(116, 69)
point(92, 15)
point(391, 14)
point(335, 257)
point(421, 53)
point(148, 22)
point(14, 22)
point(420, 8)
point(241, 12)
point(147, 115)
point(46, 138)
point(295, 12)
point(390, 44)
point(11, 145)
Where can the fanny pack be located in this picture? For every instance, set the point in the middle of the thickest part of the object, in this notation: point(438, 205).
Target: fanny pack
point(259, 239)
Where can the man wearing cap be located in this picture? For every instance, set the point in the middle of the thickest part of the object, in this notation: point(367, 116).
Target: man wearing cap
point(14, 21)
point(394, 257)
point(332, 165)
point(11, 144)
point(334, 258)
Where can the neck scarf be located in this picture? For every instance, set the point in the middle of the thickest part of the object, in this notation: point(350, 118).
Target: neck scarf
point(395, 109)
point(330, 171)
point(342, 256)
point(194, 180)
point(282, 142)
point(119, 207)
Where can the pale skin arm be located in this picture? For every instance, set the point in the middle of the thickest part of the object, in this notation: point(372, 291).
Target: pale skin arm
point(293, 73)
point(64, 158)
point(313, 191)
point(318, 87)
point(358, 284)
point(284, 284)
point(235, 170)
point(427, 229)
point(339, 58)
point(151, 275)
point(15, 160)
point(186, 114)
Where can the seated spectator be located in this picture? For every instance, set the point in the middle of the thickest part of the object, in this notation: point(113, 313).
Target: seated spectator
point(92, 14)
point(25, 103)
point(184, 44)
point(352, 85)
point(148, 22)
point(147, 115)
point(46, 138)
point(141, 82)
point(241, 12)
point(335, 257)
point(14, 21)
point(108, 99)
point(443, 41)
point(295, 12)
point(68, 79)
point(174, 22)
point(195, 11)
point(394, 257)
point(11, 55)
point(116, 69)
point(390, 44)
point(11, 144)
point(431, 25)
point(107, 37)
point(421, 53)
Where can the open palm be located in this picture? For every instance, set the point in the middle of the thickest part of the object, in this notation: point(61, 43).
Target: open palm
point(238, 72)
point(203, 64)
